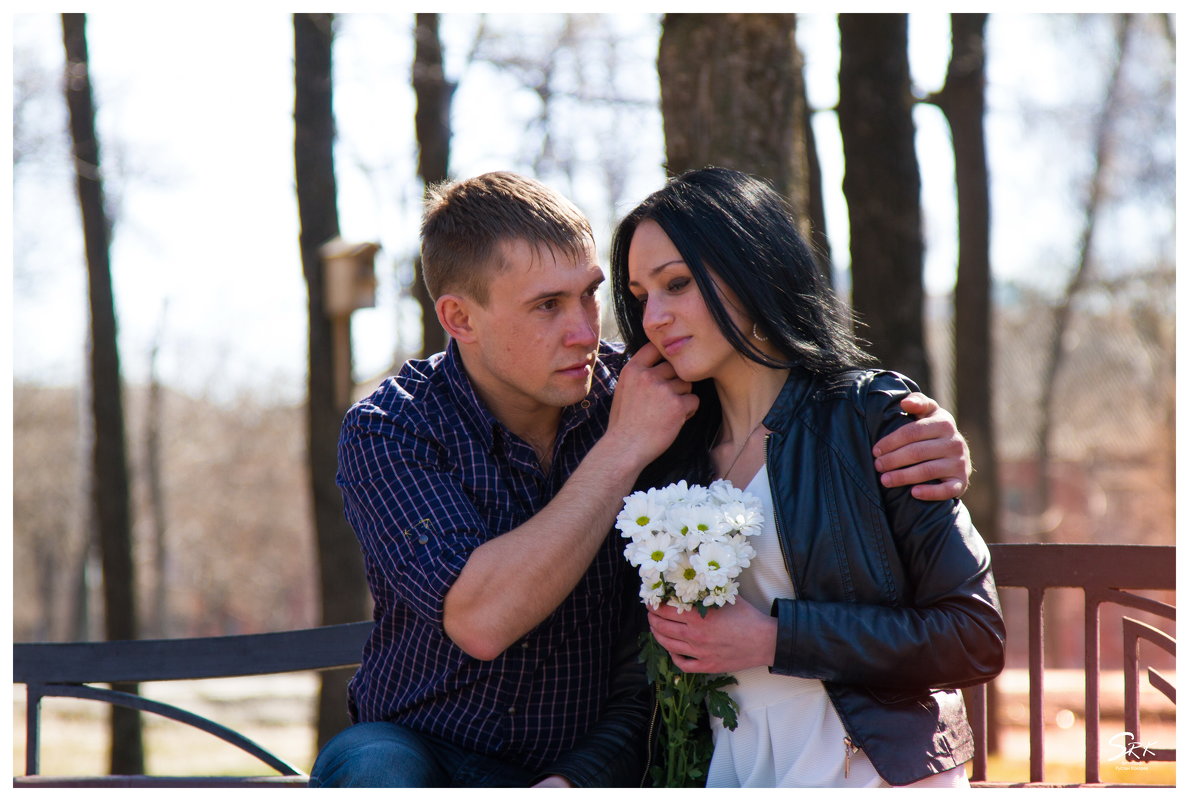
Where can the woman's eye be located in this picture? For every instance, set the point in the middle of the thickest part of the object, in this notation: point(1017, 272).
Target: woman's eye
point(678, 284)
point(641, 299)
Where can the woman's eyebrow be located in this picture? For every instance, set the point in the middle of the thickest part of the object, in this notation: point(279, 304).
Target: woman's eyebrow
point(658, 268)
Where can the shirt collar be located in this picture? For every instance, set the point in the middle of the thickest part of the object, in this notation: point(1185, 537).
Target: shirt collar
point(473, 409)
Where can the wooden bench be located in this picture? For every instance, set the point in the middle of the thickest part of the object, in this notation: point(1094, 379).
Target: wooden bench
point(1102, 572)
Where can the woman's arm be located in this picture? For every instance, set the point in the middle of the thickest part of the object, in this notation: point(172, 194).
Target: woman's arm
point(944, 629)
point(948, 633)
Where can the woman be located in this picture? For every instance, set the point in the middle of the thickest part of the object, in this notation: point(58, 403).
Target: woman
point(865, 609)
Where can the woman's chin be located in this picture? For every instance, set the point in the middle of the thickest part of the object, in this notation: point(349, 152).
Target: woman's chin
point(689, 374)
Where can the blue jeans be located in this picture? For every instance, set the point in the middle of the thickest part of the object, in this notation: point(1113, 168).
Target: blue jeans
point(390, 755)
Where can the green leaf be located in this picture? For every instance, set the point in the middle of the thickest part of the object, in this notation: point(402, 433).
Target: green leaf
point(721, 680)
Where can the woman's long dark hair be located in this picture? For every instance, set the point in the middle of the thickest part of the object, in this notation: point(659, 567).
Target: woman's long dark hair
point(739, 228)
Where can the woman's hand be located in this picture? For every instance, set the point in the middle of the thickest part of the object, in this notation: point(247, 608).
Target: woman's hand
point(731, 638)
point(927, 449)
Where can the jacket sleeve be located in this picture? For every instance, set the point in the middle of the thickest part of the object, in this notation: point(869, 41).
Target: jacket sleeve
point(613, 753)
point(938, 624)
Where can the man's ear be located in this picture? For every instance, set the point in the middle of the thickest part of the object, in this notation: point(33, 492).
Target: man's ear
point(454, 313)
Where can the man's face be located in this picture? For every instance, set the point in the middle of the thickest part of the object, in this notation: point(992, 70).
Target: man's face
point(534, 343)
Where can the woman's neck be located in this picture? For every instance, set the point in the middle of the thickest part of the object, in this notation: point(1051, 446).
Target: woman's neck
point(746, 395)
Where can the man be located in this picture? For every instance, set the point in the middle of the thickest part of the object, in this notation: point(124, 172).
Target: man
point(482, 484)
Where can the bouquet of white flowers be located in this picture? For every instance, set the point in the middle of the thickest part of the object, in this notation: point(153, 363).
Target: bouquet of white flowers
point(689, 543)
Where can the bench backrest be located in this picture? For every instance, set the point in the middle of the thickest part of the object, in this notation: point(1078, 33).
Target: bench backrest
point(68, 670)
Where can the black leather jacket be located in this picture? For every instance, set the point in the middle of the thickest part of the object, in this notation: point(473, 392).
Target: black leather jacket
point(896, 606)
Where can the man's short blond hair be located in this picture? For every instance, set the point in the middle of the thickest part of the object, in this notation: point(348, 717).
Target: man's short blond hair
point(467, 223)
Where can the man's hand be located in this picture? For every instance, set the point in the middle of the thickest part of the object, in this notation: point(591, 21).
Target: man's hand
point(538, 563)
point(650, 405)
point(926, 449)
point(553, 781)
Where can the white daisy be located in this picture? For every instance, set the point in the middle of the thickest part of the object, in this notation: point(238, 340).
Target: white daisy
point(653, 552)
point(687, 583)
point(716, 563)
point(741, 518)
point(726, 594)
point(643, 513)
point(697, 524)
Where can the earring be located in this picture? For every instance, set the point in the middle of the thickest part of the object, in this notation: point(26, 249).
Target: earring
point(755, 332)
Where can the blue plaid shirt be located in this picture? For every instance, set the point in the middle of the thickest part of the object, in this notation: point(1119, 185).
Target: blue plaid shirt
point(428, 475)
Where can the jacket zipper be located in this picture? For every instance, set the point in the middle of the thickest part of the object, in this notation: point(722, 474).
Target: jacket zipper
point(656, 705)
point(849, 749)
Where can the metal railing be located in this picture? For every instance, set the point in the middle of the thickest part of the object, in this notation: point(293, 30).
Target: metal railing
point(1104, 573)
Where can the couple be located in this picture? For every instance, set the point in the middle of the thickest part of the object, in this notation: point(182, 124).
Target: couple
point(482, 484)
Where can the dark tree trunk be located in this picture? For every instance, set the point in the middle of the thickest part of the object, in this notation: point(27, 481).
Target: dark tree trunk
point(109, 459)
point(728, 93)
point(732, 95)
point(342, 586)
point(963, 100)
point(882, 185)
point(434, 94)
point(964, 103)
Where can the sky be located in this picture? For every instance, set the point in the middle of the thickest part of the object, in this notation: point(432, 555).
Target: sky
point(195, 119)
point(206, 232)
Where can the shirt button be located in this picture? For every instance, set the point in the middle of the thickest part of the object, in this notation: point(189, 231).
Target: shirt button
point(423, 539)
point(524, 644)
point(511, 710)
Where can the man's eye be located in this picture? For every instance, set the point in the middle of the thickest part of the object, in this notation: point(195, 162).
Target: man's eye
point(548, 305)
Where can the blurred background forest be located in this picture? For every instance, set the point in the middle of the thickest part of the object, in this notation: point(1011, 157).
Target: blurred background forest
point(994, 194)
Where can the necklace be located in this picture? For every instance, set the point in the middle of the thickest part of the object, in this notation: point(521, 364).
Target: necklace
point(742, 448)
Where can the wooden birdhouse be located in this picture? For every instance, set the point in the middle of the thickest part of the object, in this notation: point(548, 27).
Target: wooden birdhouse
point(349, 276)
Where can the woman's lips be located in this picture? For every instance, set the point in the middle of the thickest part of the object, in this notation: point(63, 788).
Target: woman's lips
point(673, 345)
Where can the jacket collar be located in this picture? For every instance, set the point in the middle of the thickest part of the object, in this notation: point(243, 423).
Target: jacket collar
point(796, 389)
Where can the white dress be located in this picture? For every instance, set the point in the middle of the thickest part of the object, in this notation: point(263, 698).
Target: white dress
point(789, 734)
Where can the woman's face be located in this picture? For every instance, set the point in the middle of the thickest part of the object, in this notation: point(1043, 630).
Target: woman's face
point(675, 316)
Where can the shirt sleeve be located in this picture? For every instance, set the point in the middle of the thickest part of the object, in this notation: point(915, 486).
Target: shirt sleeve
point(415, 522)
